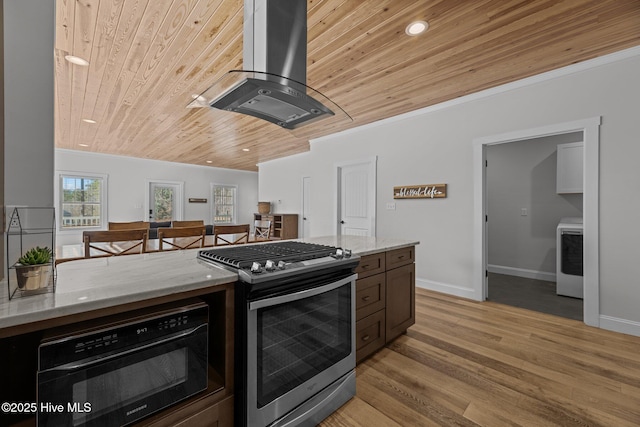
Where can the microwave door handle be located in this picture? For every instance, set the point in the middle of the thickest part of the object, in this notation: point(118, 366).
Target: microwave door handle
point(95, 359)
point(301, 294)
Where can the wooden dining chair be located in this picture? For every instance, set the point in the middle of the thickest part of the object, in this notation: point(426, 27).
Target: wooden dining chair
point(231, 234)
point(171, 239)
point(262, 229)
point(130, 225)
point(194, 223)
point(114, 242)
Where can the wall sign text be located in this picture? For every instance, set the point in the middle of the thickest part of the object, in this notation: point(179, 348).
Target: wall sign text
point(429, 191)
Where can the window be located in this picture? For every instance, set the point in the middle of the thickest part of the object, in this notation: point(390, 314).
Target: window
point(82, 201)
point(224, 204)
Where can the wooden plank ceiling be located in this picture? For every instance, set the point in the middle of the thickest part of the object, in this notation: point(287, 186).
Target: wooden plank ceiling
point(148, 57)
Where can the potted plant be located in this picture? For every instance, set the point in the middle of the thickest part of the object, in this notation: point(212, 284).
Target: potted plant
point(33, 269)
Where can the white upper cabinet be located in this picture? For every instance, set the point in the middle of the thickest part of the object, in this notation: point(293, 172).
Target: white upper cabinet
point(569, 178)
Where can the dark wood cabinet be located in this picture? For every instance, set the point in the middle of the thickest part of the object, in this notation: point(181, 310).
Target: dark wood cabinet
point(283, 226)
point(401, 312)
point(385, 299)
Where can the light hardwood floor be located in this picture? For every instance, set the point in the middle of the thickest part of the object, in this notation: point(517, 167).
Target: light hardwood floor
point(466, 363)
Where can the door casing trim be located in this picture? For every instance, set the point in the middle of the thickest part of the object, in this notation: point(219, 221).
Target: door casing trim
point(591, 136)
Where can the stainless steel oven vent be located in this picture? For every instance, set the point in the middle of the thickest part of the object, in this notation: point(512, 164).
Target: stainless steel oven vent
point(272, 85)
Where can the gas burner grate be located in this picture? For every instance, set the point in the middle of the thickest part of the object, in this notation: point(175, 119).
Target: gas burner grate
point(242, 256)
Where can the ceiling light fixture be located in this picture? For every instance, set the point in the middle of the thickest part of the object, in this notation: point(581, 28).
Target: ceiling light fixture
point(199, 98)
point(245, 149)
point(89, 121)
point(83, 145)
point(416, 27)
point(209, 161)
point(77, 60)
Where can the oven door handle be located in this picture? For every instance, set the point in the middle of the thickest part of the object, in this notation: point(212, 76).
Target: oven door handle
point(84, 363)
point(267, 302)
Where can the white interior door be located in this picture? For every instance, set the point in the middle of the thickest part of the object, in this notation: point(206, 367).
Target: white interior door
point(164, 201)
point(306, 206)
point(356, 198)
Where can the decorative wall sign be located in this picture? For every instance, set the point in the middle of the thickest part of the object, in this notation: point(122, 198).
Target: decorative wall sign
point(429, 191)
point(194, 200)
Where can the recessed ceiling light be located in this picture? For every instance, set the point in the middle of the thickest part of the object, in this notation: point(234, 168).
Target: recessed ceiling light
point(246, 149)
point(199, 98)
point(77, 60)
point(89, 121)
point(83, 145)
point(209, 161)
point(416, 27)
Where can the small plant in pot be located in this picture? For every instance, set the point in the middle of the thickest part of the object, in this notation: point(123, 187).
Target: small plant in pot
point(33, 269)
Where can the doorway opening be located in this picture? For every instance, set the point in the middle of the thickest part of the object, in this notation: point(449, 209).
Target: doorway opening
point(525, 207)
point(590, 131)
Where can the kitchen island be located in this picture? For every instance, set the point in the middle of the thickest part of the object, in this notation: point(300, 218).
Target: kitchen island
point(108, 291)
point(89, 290)
point(101, 283)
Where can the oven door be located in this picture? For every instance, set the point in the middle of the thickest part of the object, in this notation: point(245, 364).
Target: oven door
point(297, 345)
point(123, 387)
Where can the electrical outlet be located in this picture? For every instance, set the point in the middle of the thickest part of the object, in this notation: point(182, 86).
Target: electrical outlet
point(391, 206)
point(523, 212)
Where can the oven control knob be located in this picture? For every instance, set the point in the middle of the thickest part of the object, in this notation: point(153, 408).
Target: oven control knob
point(270, 265)
point(347, 253)
point(339, 254)
point(281, 265)
point(256, 267)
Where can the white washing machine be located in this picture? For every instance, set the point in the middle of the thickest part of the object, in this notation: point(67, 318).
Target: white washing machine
point(569, 267)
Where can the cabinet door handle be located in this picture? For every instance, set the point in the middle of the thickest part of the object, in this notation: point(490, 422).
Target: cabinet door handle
point(365, 266)
point(366, 298)
point(365, 338)
point(401, 256)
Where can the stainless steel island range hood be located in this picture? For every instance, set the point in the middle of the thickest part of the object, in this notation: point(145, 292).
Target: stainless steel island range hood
point(272, 85)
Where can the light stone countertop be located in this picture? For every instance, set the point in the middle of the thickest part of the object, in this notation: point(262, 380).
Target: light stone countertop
point(98, 283)
point(362, 245)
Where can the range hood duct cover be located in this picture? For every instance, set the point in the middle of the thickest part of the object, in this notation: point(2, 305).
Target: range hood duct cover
point(272, 85)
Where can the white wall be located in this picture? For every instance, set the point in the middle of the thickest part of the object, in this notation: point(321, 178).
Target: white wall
point(28, 98)
point(435, 146)
point(127, 186)
point(522, 175)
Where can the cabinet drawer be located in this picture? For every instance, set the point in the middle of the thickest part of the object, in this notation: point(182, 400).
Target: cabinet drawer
point(399, 257)
point(370, 295)
point(370, 335)
point(371, 264)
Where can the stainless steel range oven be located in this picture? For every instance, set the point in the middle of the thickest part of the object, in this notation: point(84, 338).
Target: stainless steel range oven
point(120, 370)
point(295, 331)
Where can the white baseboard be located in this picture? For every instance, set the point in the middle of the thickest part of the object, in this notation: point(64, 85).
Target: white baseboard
point(623, 326)
point(445, 288)
point(521, 272)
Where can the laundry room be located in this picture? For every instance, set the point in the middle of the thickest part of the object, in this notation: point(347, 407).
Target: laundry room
point(534, 224)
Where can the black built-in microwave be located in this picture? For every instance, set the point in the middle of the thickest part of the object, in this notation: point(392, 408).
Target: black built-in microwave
point(117, 373)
